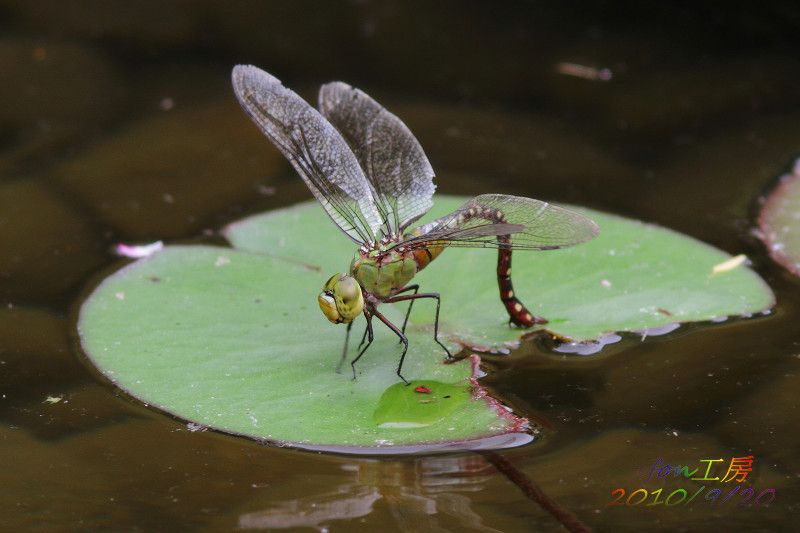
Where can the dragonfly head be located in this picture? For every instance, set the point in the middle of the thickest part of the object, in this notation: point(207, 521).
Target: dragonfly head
point(341, 300)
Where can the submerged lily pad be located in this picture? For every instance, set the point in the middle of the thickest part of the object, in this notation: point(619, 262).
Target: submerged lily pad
point(419, 404)
point(632, 277)
point(779, 221)
point(233, 339)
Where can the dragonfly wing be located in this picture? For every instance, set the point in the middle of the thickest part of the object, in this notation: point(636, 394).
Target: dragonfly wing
point(315, 149)
point(390, 155)
point(532, 224)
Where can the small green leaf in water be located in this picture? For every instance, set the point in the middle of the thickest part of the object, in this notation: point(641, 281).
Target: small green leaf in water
point(419, 404)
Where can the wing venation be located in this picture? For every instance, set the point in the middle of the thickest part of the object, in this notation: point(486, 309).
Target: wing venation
point(531, 225)
point(393, 160)
point(315, 149)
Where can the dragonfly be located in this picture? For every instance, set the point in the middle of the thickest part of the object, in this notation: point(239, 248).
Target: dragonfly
point(371, 176)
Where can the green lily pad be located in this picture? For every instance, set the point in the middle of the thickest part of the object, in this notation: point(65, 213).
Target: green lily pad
point(632, 277)
point(233, 339)
point(779, 221)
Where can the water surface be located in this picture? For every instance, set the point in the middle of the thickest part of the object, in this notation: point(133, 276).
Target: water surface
point(117, 124)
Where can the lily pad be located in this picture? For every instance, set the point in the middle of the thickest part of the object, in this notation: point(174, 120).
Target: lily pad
point(232, 338)
point(779, 221)
point(235, 341)
point(632, 277)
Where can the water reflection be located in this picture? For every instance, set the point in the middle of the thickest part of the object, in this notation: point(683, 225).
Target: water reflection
point(415, 495)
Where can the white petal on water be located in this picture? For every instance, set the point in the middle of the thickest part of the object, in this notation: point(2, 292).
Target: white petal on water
point(136, 251)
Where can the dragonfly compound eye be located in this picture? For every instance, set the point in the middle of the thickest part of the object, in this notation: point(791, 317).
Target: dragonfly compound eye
point(341, 299)
point(328, 306)
point(348, 297)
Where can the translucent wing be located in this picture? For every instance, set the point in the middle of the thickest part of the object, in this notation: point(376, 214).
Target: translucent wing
point(390, 155)
point(532, 224)
point(315, 148)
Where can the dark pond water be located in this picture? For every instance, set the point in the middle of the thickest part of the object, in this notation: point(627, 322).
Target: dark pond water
point(117, 124)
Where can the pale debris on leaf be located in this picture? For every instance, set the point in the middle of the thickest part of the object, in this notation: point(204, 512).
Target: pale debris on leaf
point(730, 264)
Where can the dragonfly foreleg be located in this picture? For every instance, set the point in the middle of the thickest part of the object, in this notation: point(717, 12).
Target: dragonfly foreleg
point(434, 295)
point(403, 339)
point(407, 288)
point(369, 342)
point(344, 352)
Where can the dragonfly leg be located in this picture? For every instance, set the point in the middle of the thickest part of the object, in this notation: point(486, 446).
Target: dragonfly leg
point(434, 295)
point(363, 337)
point(403, 339)
point(344, 352)
point(407, 288)
point(369, 342)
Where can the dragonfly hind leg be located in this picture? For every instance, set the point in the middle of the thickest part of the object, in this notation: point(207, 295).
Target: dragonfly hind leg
point(407, 288)
point(416, 296)
point(403, 339)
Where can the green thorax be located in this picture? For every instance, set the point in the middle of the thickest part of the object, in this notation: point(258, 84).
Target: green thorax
point(381, 272)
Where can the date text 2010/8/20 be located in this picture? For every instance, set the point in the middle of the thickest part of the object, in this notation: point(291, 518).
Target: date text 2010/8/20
point(744, 497)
